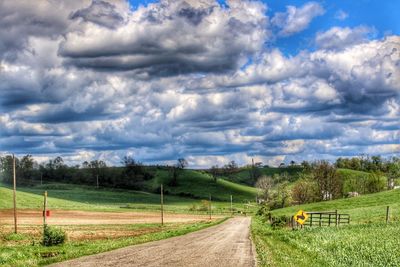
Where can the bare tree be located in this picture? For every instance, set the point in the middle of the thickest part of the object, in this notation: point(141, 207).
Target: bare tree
point(182, 163)
point(214, 170)
point(265, 183)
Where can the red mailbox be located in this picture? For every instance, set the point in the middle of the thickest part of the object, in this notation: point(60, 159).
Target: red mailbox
point(47, 213)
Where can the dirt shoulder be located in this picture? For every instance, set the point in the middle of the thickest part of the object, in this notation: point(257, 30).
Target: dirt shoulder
point(70, 217)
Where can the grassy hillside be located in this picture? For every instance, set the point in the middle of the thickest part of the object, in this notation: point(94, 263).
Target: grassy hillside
point(367, 241)
point(67, 196)
point(197, 184)
point(244, 176)
point(186, 197)
point(362, 209)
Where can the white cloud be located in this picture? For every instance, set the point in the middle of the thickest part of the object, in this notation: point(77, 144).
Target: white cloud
point(296, 19)
point(341, 15)
point(168, 38)
point(340, 38)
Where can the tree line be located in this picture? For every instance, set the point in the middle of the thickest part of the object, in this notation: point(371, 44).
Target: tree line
point(322, 180)
point(132, 174)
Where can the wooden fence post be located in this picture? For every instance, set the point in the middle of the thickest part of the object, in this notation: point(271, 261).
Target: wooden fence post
point(387, 214)
point(231, 206)
point(162, 205)
point(44, 209)
point(337, 218)
point(209, 206)
point(15, 195)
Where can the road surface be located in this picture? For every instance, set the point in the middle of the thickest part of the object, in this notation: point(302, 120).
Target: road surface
point(224, 245)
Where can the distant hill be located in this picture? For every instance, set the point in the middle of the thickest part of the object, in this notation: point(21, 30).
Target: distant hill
point(192, 187)
point(199, 184)
point(245, 176)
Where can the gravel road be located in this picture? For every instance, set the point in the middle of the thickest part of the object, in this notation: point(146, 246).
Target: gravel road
point(224, 245)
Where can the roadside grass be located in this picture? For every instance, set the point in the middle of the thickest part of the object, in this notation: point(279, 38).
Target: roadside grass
point(27, 251)
point(354, 245)
point(367, 241)
point(363, 209)
point(77, 197)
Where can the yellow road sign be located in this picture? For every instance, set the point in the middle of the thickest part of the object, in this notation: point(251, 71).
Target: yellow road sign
point(300, 217)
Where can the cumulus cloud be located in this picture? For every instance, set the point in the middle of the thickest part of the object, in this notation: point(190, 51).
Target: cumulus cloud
point(296, 19)
point(167, 38)
point(339, 38)
point(101, 13)
point(21, 20)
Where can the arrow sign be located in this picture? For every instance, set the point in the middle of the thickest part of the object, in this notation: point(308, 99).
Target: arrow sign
point(300, 217)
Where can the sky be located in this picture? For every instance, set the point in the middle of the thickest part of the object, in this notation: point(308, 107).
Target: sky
point(210, 81)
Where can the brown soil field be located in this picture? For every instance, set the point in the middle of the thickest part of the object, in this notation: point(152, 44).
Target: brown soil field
point(71, 217)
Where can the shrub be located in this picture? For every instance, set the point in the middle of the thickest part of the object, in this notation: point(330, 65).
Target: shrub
point(203, 206)
point(376, 183)
point(53, 236)
point(263, 210)
point(279, 221)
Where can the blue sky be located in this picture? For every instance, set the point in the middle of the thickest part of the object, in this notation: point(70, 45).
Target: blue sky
point(211, 81)
point(381, 15)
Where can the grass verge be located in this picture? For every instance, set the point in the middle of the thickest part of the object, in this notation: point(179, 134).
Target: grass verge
point(373, 244)
point(27, 251)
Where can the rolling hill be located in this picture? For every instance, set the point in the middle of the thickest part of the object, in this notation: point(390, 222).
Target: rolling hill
point(199, 184)
point(244, 175)
point(192, 187)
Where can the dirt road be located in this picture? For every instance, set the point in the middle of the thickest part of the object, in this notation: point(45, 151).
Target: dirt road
point(224, 245)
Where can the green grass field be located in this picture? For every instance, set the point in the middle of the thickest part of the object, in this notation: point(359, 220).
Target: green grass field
point(78, 197)
point(355, 245)
point(367, 241)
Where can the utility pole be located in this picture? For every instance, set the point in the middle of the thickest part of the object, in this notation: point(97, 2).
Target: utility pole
point(252, 169)
point(97, 181)
point(162, 205)
point(44, 210)
point(15, 195)
point(209, 206)
point(231, 207)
